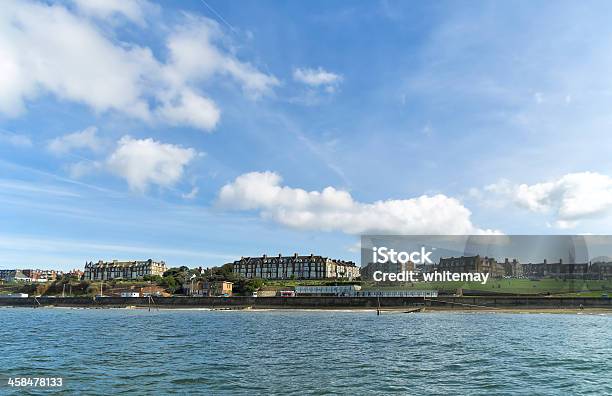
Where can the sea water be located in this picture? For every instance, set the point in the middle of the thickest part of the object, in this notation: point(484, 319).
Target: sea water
point(123, 351)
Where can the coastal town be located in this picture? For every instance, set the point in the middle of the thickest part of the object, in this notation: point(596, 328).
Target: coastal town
point(308, 275)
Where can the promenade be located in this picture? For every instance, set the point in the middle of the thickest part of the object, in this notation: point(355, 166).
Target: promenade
point(451, 303)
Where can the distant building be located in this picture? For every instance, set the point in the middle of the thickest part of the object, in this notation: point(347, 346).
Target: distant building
point(29, 275)
point(15, 275)
point(5, 274)
point(557, 269)
point(295, 267)
point(467, 264)
point(545, 269)
point(77, 273)
point(601, 270)
point(106, 270)
point(41, 276)
point(534, 270)
point(512, 268)
point(210, 288)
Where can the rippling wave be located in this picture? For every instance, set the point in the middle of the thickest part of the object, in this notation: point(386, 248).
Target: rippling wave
point(280, 352)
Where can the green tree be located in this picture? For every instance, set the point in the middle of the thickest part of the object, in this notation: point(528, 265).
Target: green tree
point(153, 278)
point(92, 290)
point(253, 285)
point(170, 283)
point(222, 273)
point(247, 286)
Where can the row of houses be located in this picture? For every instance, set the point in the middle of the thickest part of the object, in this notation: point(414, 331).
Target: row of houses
point(102, 270)
point(138, 269)
point(295, 267)
point(514, 269)
point(129, 270)
point(590, 270)
point(29, 275)
point(264, 267)
point(487, 265)
point(313, 267)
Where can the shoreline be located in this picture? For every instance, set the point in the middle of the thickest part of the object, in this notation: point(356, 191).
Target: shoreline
point(385, 311)
point(386, 304)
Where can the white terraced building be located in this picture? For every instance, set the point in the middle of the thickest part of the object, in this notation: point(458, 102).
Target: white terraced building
point(106, 270)
point(295, 267)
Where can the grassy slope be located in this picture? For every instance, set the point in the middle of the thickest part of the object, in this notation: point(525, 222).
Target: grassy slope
point(516, 286)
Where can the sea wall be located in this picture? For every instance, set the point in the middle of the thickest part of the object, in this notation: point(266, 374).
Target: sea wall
point(312, 302)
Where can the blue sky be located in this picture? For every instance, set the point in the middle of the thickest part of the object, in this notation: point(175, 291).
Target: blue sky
point(197, 132)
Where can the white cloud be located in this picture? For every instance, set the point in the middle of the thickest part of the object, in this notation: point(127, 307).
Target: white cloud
point(130, 9)
point(332, 209)
point(142, 162)
point(82, 168)
point(15, 139)
point(192, 194)
point(49, 49)
point(572, 197)
point(195, 55)
point(317, 78)
point(565, 225)
point(68, 57)
point(192, 109)
point(85, 139)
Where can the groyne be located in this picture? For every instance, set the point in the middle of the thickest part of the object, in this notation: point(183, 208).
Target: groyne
point(314, 302)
